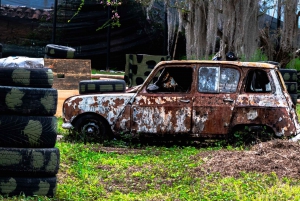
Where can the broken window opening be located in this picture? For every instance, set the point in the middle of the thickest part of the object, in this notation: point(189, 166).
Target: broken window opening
point(172, 79)
point(218, 80)
point(258, 82)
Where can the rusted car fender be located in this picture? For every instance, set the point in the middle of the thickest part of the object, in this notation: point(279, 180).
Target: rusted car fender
point(109, 106)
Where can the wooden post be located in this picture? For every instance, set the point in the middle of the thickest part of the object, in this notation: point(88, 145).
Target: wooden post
point(54, 22)
point(108, 39)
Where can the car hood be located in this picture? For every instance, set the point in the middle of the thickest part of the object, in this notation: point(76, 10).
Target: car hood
point(110, 106)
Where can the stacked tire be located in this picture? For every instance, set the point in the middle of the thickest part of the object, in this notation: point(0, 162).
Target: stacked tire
point(29, 160)
point(290, 80)
point(53, 51)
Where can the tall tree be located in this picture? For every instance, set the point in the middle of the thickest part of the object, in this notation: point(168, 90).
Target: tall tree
point(234, 23)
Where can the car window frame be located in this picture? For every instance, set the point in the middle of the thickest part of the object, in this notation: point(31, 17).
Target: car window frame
point(161, 69)
point(219, 76)
point(271, 82)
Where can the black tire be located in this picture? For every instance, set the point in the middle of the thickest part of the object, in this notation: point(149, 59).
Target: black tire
point(28, 131)
point(294, 98)
point(101, 86)
point(41, 186)
point(26, 77)
point(92, 128)
point(29, 161)
point(289, 75)
point(29, 101)
point(59, 51)
point(291, 87)
point(298, 76)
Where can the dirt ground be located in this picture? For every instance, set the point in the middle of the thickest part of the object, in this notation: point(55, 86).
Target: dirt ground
point(279, 156)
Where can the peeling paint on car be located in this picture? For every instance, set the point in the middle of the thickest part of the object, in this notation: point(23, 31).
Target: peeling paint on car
point(252, 114)
point(109, 106)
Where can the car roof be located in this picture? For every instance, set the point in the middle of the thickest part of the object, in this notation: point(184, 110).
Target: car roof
point(236, 63)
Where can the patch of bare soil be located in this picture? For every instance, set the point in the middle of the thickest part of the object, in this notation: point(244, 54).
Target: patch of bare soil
point(279, 156)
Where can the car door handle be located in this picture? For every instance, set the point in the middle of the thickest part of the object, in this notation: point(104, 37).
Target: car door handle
point(228, 100)
point(184, 101)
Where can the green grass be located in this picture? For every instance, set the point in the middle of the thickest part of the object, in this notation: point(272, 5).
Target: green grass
point(88, 172)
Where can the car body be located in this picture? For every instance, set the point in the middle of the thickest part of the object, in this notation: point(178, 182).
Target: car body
point(196, 98)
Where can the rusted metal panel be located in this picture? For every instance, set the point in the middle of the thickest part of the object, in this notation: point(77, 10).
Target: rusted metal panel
point(110, 106)
point(276, 118)
point(272, 109)
point(215, 99)
point(123, 123)
point(212, 113)
point(231, 63)
point(162, 114)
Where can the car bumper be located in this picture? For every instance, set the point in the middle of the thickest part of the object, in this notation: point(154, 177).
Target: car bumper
point(67, 126)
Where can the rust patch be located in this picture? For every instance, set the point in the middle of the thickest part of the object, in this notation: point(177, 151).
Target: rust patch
point(109, 106)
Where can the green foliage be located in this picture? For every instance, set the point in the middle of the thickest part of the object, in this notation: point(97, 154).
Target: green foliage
point(257, 56)
point(294, 64)
point(114, 21)
point(60, 130)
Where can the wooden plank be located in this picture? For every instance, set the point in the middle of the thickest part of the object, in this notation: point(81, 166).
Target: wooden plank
point(67, 73)
point(100, 76)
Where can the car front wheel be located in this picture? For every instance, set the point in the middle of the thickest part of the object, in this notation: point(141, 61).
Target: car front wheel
point(92, 128)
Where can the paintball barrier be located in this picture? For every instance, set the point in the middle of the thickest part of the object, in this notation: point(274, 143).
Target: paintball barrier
point(139, 66)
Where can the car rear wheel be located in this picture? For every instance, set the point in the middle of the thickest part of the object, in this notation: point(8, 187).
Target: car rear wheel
point(250, 134)
point(92, 128)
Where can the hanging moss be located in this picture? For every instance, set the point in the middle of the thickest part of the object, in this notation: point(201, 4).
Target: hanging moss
point(234, 22)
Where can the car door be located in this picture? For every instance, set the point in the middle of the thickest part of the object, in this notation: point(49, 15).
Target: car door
point(164, 106)
point(215, 99)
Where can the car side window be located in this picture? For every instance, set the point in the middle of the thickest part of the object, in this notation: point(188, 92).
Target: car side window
point(172, 79)
point(258, 82)
point(218, 80)
point(229, 80)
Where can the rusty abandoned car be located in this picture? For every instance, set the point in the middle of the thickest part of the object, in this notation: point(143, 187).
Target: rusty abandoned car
point(202, 99)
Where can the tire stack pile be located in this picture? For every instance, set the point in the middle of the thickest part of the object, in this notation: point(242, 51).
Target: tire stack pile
point(290, 80)
point(29, 161)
